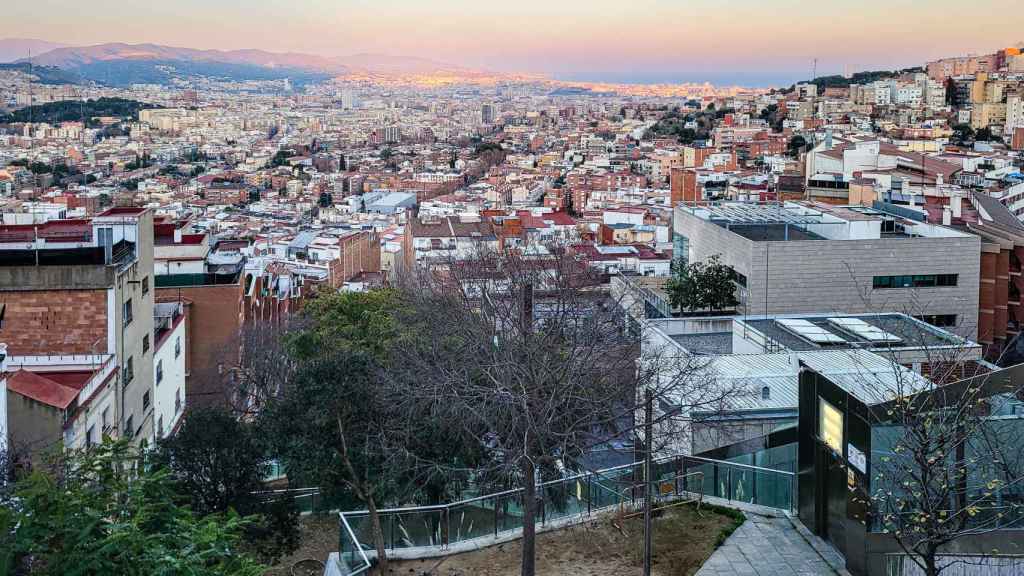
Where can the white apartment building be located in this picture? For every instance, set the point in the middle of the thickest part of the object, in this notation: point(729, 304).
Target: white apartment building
point(1014, 113)
point(168, 368)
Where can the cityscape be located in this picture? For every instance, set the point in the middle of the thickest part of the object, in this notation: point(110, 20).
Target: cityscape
point(473, 290)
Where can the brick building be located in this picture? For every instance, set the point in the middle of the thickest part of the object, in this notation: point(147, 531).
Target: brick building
point(83, 290)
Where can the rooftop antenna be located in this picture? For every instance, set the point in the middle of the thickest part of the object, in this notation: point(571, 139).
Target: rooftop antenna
point(814, 70)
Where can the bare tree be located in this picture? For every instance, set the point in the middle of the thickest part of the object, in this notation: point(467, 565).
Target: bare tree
point(947, 459)
point(528, 356)
point(263, 366)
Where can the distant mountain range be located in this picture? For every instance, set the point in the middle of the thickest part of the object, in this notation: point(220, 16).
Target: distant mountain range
point(121, 64)
point(12, 49)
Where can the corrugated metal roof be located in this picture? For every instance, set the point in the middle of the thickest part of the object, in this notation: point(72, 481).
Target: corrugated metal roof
point(870, 377)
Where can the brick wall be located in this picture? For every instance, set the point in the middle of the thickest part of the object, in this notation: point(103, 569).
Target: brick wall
point(359, 252)
point(55, 322)
point(213, 316)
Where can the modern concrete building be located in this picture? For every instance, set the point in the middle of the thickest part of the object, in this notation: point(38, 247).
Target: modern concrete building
point(78, 304)
point(760, 357)
point(794, 258)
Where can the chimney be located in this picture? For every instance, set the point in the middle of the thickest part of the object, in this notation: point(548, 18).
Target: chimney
point(947, 216)
point(177, 235)
point(956, 203)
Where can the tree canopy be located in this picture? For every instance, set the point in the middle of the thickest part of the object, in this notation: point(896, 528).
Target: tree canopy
point(703, 286)
point(108, 512)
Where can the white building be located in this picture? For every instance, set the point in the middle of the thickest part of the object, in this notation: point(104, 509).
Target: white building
point(168, 368)
point(1014, 113)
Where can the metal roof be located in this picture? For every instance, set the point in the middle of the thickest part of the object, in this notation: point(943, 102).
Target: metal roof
point(749, 213)
point(870, 377)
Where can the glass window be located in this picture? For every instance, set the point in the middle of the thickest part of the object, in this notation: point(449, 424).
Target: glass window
point(159, 371)
point(129, 370)
point(830, 425)
point(145, 285)
point(145, 400)
point(177, 347)
point(915, 281)
point(145, 343)
point(127, 311)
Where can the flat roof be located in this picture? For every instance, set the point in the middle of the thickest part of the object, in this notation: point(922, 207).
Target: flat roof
point(903, 331)
point(755, 213)
point(773, 232)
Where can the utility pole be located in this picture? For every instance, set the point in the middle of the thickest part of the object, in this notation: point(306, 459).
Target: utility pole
point(648, 461)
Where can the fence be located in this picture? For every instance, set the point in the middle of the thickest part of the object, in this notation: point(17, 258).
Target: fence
point(436, 529)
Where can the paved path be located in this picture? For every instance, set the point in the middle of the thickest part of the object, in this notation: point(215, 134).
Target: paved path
point(765, 546)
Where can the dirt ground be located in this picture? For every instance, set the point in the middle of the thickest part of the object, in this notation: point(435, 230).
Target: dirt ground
point(319, 539)
point(683, 539)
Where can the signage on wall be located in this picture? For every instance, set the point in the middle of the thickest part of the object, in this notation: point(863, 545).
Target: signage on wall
point(857, 458)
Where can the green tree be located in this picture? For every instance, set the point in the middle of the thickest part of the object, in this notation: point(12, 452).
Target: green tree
point(796, 145)
point(220, 463)
point(703, 286)
point(218, 460)
point(348, 320)
point(963, 134)
point(329, 426)
point(108, 512)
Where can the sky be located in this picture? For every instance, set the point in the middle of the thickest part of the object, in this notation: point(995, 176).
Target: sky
point(746, 42)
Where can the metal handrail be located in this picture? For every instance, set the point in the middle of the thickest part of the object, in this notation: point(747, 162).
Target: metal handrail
point(675, 479)
point(579, 476)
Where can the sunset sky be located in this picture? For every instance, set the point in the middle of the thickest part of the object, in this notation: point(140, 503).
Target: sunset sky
point(752, 42)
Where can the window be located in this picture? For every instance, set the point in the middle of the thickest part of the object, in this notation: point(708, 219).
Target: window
point(830, 425)
point(90, 436)
point(105, 418)
point(145, 343)
point(917, 281)
point(159, 371)
point(129, 370)
point(939, 320)
point(145, 285)
point(127, 311)
point(177, 347)
point(145, 400)
point(739, 278)
point(160, 427)
point(766, 393)
point(177, 401)
point(129, 428)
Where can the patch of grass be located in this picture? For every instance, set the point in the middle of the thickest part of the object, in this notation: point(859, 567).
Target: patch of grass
point(737, 517)
point(684, 537)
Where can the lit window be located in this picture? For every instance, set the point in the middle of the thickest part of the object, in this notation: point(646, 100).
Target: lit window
point(830, 425)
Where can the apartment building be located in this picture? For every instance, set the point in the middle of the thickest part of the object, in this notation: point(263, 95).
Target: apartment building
point(433, 239)
point(802, 257)
point(940, 70)
point(78, 297)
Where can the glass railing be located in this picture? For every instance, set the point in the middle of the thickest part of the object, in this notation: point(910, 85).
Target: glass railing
point(352, 559)
point(566, 499)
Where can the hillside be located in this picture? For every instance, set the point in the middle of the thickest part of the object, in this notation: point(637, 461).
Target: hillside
point(866, 77)
point(120, 64)
point(46, 74)
point(74, 110)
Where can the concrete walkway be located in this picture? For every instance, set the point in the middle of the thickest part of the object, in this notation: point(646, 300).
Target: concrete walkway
point(765, 546)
